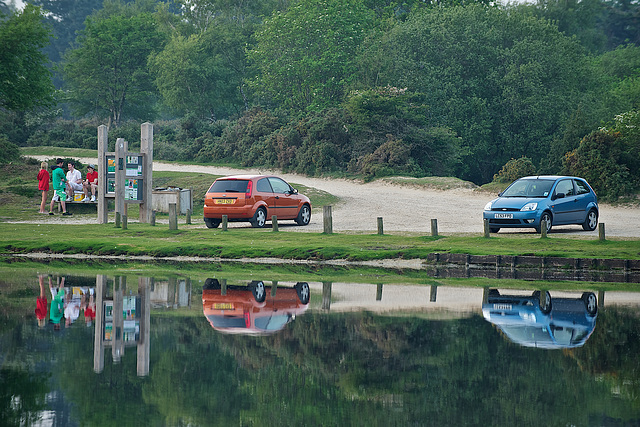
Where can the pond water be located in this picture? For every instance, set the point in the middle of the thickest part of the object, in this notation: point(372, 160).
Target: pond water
point(219, 351)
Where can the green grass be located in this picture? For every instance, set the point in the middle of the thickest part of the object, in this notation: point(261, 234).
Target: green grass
point(196, 240)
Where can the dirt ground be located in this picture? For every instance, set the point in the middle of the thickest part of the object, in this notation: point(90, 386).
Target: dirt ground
point(403, 208)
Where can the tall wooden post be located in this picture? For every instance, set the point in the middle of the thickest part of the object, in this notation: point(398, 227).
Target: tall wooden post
point(120, 159)
point(103, 212)
point(146, 148)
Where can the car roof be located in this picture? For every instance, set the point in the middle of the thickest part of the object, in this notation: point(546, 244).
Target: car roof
point(550, 177)
point(243, 177)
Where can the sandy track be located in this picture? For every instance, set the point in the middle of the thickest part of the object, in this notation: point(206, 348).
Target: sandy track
point(405, 208)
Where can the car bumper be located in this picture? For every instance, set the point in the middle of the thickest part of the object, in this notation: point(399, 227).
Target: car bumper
point(518, 219)
point(240, 212)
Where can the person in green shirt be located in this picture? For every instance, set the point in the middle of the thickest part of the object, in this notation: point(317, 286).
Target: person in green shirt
point(57, 307)
point(59, 182)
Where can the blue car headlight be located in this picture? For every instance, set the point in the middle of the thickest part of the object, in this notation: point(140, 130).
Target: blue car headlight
point(529, 207)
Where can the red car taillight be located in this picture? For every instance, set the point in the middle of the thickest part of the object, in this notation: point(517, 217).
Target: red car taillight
point(247, 319)
point(247, 193)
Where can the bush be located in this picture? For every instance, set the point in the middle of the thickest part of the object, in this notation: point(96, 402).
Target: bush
point(514, 169)
point(9, 152)
point(598, 160)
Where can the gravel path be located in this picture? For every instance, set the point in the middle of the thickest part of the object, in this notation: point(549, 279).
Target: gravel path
point(403, 208)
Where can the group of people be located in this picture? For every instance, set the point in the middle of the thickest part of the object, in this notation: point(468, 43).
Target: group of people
point(65, 186)
point(66, 303)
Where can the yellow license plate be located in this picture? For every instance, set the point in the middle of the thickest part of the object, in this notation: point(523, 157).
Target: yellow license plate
point(223, 306)
point(224, 201)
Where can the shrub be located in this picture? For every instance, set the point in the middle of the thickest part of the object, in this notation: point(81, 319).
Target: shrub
point(9, 152)
point(514, 169)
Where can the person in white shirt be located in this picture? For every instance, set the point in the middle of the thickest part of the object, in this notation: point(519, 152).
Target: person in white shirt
point(74, 180)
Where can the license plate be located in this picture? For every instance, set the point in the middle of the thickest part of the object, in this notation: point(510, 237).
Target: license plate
point(502, 306)
point(503, 216)
point(224, 201)
point(223, 306)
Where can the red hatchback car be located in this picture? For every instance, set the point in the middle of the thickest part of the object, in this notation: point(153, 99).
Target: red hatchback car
point(254, 198)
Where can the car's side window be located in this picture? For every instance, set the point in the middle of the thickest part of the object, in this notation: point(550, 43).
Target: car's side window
point(582, 187)
point(263, 186)
point(279, 186)
point(566, 187)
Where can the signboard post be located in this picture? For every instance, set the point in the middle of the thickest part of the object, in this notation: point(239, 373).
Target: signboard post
point(125, 177)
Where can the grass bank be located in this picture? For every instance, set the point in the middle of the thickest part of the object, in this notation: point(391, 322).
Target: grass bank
point(236, 243)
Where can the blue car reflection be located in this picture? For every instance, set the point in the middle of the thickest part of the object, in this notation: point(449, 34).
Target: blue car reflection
point(557, 200)
point(541, 321)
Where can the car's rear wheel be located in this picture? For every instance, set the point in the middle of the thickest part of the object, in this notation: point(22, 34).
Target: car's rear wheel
point(258, 290)
point(302, 289)
point(211, 223)
point(591, 222)
point(259, 218)
point(211, 284)
point(546, 216)
point(590, 303)
point(304, 216)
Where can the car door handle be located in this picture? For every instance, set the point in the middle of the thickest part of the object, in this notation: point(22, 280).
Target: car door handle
point(277, 197)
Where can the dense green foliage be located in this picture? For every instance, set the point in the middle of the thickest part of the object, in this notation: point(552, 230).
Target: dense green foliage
point(25, 80)
point(353, 87)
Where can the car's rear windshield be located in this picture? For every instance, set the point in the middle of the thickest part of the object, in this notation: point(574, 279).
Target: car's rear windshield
point(229, 186)
point(529, 188)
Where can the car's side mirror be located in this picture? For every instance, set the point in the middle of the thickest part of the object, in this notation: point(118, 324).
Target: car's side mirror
point(558, 196)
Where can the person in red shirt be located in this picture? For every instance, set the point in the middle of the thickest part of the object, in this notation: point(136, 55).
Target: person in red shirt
point(43, 186)
point(91, 183)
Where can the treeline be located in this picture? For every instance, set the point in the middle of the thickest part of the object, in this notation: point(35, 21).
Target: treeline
point(346, 87)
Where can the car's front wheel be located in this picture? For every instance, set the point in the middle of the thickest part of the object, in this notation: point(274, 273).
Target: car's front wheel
point(211, 223)
point(591, 222)
point(546, 216)
point(259, 218)
point(304, 216)
point(590, 303)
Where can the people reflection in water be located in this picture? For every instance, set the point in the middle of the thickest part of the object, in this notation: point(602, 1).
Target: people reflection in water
point(56, 312)
point(79, 299)
point(41, 302)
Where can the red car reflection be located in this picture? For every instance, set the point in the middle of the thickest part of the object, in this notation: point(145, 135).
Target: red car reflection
point(251, 309)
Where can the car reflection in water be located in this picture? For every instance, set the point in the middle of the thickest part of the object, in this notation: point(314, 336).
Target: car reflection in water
point(538, 320)
point(252, 309)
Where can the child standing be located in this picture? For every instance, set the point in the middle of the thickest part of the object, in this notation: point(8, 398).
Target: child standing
point(43, 185)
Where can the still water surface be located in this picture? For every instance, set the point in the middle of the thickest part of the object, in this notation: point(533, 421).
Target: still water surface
point(250, 352)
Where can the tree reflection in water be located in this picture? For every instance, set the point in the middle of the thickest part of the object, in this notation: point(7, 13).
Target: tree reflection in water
point(328, 367)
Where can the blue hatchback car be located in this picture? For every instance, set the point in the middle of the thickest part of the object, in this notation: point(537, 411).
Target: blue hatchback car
point(558, 200)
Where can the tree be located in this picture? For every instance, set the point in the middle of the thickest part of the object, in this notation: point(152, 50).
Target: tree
point(505, 82)
point(25, 80)
point(107, 74)
point(305, 55)
point(208, 80)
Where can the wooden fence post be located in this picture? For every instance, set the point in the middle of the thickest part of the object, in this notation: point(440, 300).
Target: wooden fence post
point(225, 222)
point(434, 227)
point(173, 216)
point(487, 229)
point(380, 226)
point(601, 235)
point(327, 219)
point(274, 223)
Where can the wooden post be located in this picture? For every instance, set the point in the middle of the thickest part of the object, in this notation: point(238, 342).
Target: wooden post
point(380, 227)
point(487, 229)
point(117, 219)
point(103, 213)
point(379, 292)
point(173, 216)
point(225, 221)
point(327, 219)
point(153, 218)
point(188, 221)
point(274, 288)
point(326, 295)
point(121, 152)
point(274, 223)
point(124, 222)
point(223, 287)
point(146, 149)
point(601, 235)
point(433, 293)
point(543, 229)
point(434, 227)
